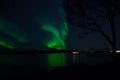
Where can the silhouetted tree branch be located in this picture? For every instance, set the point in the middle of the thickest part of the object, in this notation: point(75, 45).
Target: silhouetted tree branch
point(88, 14)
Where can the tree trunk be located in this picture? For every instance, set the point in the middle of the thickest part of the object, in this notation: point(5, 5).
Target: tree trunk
point(114, 55)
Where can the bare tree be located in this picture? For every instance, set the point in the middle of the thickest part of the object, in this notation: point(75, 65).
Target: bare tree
point(95, 15)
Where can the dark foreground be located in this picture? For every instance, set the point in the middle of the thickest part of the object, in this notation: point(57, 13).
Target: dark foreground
point(74, 72)
point(32, 67)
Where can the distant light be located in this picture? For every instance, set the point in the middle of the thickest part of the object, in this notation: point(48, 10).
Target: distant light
point(117, 51)
point(75, 52)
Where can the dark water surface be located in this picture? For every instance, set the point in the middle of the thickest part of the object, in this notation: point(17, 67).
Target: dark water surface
point(52, 60)
point(30, 64)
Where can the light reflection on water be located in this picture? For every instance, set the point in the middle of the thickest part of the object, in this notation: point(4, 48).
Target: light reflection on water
point(52, 60)
point(56, 60)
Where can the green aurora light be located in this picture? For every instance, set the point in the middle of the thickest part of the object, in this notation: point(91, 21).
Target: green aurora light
point(58, 36)
point(6, 44)
point(11, 30)
point(56, 41)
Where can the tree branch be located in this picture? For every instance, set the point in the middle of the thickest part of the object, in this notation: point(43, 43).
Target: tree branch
point(100, 30)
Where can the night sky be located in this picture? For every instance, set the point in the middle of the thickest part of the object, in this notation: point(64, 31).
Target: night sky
point(35, 24)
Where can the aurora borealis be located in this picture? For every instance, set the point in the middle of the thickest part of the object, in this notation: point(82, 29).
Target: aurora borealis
point(58, 34)
point(22, 22)
point(12, 31)
point(6, 44)
point(20, 34)
point(56, 41)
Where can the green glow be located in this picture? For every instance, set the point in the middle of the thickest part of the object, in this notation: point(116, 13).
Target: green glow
point(56, 60)
point(6, 44)
point(57, 33)
point(12, 30)
point(56, 41)
point(17, 36)
point(64, 30)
